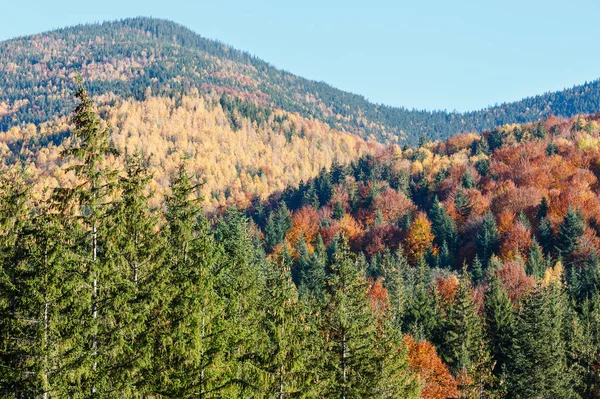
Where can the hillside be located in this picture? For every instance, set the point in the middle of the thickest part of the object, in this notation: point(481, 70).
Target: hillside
point(236, 158)
point(137, 57)
point(484, 245)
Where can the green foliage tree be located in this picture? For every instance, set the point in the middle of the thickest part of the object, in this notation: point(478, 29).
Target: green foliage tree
point(499, 322)
point(538, 362)
point(488, 239)
point(350, 362)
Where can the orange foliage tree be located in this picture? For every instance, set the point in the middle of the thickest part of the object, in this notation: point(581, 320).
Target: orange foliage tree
point(437, 381)
point(305, 224)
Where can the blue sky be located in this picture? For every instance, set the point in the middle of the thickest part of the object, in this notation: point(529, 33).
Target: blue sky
point(432, 54)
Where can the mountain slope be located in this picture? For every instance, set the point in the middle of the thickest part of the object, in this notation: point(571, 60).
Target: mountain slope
point(135, 57)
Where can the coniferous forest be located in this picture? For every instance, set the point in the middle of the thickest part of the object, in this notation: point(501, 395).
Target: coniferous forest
point(460, 269)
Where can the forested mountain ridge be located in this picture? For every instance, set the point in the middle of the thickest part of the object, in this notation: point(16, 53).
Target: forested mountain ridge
point(135, 57)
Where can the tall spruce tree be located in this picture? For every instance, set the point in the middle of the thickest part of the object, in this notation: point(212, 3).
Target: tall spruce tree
point(500, 323)
point(488, 239)
point(188, 336)
point(284, 359)
point(240, 281)
point(134, 248)
point(463, 345)
point(570, 230)
point(537, 367)
point(87, 202)
point(350, 363)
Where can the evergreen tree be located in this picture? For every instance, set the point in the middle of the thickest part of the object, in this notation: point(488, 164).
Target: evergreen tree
point(338, 210)
point(463, 204)
point(468, 181)
point(500, 323)
point(277, 226)
point(543, 209)
point(395, 266)
point(536, 265)
point(421, 317)
point(442, 225)
point(240, 281)
point(284, 358)
point(488, 239)
point(350, 368)
point(395, 379)
point(189, 337)
point(88, 202)
point(476, 270)
point(133, 251)
point(463, 345)
point(538, 364)
point(313, 276)
point(571, 229)
point(546, 236)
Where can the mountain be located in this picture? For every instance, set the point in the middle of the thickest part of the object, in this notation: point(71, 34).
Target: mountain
point(136, 57)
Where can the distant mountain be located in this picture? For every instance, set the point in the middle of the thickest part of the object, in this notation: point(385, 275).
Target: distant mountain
point(136, 57)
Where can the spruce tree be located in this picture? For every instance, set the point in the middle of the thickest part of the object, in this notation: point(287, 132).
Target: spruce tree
point(350, 363)
point(284, 359)
point(240, 281)
point(537, 367)
point(500, 323)
point(87, 202)
point(188, 336)
point(536, 265)
point(571, 228)
point(488, 239)
point(133, 250)
point(443, 226)
point(546, 236)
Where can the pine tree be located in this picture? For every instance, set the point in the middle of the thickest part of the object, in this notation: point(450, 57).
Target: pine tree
point(500, 323)
point(571, 229)
point(284, 360)
point(488, 239)
point(188, 339)
point(350, 364)
point(87, 202)
point(536, 265)
point(538, 365)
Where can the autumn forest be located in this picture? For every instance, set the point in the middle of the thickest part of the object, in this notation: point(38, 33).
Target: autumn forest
point(179, 219)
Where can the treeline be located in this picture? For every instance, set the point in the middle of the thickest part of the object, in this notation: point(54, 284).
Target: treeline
point(484, 245)
point(102, 295)
point(129, 57)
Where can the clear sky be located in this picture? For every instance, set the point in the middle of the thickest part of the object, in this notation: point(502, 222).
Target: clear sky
point(432, 54)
